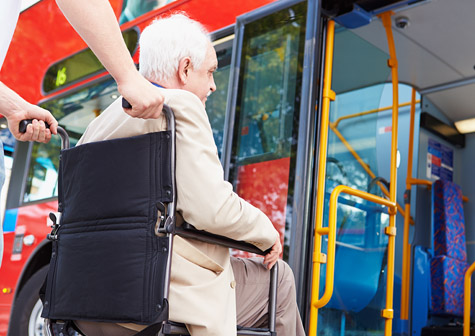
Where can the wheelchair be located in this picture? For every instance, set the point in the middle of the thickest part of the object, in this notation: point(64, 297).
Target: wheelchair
point(101, 230)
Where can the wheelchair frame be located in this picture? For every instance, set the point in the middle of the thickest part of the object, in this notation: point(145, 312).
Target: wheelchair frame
point(167, 226)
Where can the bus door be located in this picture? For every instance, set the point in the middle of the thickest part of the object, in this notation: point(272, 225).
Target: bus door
point(266, 137)
point(356, 159)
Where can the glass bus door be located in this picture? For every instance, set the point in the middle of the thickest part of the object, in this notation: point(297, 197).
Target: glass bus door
point(357, 158)
point(264, 117)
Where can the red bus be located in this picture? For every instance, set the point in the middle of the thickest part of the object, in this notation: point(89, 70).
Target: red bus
point(302, 112)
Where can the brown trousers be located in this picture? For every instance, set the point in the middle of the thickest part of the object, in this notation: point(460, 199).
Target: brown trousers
point(252, 296)
point(252, 299)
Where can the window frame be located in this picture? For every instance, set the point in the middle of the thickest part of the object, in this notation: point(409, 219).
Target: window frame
point(224, 33)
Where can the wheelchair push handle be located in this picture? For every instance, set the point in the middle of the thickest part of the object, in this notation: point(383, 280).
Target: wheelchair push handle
point(61, 132)
point(126, 104)
point(25, 123)
point(167, 111)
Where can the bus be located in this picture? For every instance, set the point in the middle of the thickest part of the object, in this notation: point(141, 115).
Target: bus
point(343, 120)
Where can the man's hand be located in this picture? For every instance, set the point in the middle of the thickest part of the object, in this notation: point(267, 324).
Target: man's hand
point(145, 98)
point(271, 258)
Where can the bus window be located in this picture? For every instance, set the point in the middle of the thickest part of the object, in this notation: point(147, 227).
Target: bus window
point(8, 162)
point(216, 103)
point(267, 109)
point(134, 8)
point(81, 65)
point(73, 112)
point(8, 143)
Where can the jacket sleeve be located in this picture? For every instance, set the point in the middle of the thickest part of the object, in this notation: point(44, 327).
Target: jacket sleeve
point(205, 199)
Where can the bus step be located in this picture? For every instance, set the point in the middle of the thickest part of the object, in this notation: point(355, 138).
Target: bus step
point(445, 330)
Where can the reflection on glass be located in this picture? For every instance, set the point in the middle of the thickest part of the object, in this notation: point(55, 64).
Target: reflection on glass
point(269, 90)
point(216, 103)
point(267, 111)
point(360, 133)
point(43, 172)
point(359, 284)
point(8, 163)
point(73, 112)
point(6, 137)
point(134, 8)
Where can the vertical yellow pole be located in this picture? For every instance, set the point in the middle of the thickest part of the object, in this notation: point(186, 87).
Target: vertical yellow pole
point(328, 95)
point(388, 312)
point(467, 299)
point(406, 252)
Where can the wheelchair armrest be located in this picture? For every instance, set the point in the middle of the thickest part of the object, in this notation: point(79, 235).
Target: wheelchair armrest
point(187, 230)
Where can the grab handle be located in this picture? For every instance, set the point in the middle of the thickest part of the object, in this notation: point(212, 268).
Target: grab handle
point(331, 232)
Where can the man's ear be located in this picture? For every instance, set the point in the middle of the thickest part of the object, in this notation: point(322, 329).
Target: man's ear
point(183, 69)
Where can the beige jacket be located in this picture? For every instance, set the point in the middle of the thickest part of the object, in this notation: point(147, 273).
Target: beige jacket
point(202, 292)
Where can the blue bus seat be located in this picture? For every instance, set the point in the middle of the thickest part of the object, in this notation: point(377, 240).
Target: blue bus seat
point(449, 262)
point(357, 272)
point(421, 286)
point(359, 253)
point(358, 258)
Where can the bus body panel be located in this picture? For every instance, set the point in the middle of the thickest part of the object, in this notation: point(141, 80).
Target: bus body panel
point(30, 221)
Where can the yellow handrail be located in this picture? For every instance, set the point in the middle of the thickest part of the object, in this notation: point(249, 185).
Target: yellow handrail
point(467, 300)
point(406, 247)
point(429, 183)
point(318, 257)
point(413, 181)
point(366, 168)
point(334, 128)
point(328, 95)
point(364, 113)
point(388, 312)
point(331, 232)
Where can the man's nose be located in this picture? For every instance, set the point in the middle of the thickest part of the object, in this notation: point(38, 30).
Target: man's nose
point(212, 86)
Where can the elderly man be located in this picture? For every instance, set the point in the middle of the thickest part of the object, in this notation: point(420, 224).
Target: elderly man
point(210, 292)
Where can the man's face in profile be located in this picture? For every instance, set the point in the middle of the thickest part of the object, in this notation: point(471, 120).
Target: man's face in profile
point(201, 81)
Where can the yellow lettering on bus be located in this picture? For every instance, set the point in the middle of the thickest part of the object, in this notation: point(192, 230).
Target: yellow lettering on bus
point(61, 76)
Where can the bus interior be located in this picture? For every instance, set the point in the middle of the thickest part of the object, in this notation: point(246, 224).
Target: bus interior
point(436, 77)
point(267, 123)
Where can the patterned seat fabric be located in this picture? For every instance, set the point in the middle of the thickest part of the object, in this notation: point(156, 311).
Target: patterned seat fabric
point(449, 223)
point(449, 263)
point(447, 280)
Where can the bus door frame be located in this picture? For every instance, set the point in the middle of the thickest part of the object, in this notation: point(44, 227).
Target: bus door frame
point(318, 257)
point(301, 228)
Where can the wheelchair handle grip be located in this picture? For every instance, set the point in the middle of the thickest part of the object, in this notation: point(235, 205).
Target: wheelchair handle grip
point(61, 132)
point(125, 103)
point(24, 124)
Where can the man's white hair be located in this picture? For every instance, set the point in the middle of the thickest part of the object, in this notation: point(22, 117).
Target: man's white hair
point(168, 40)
